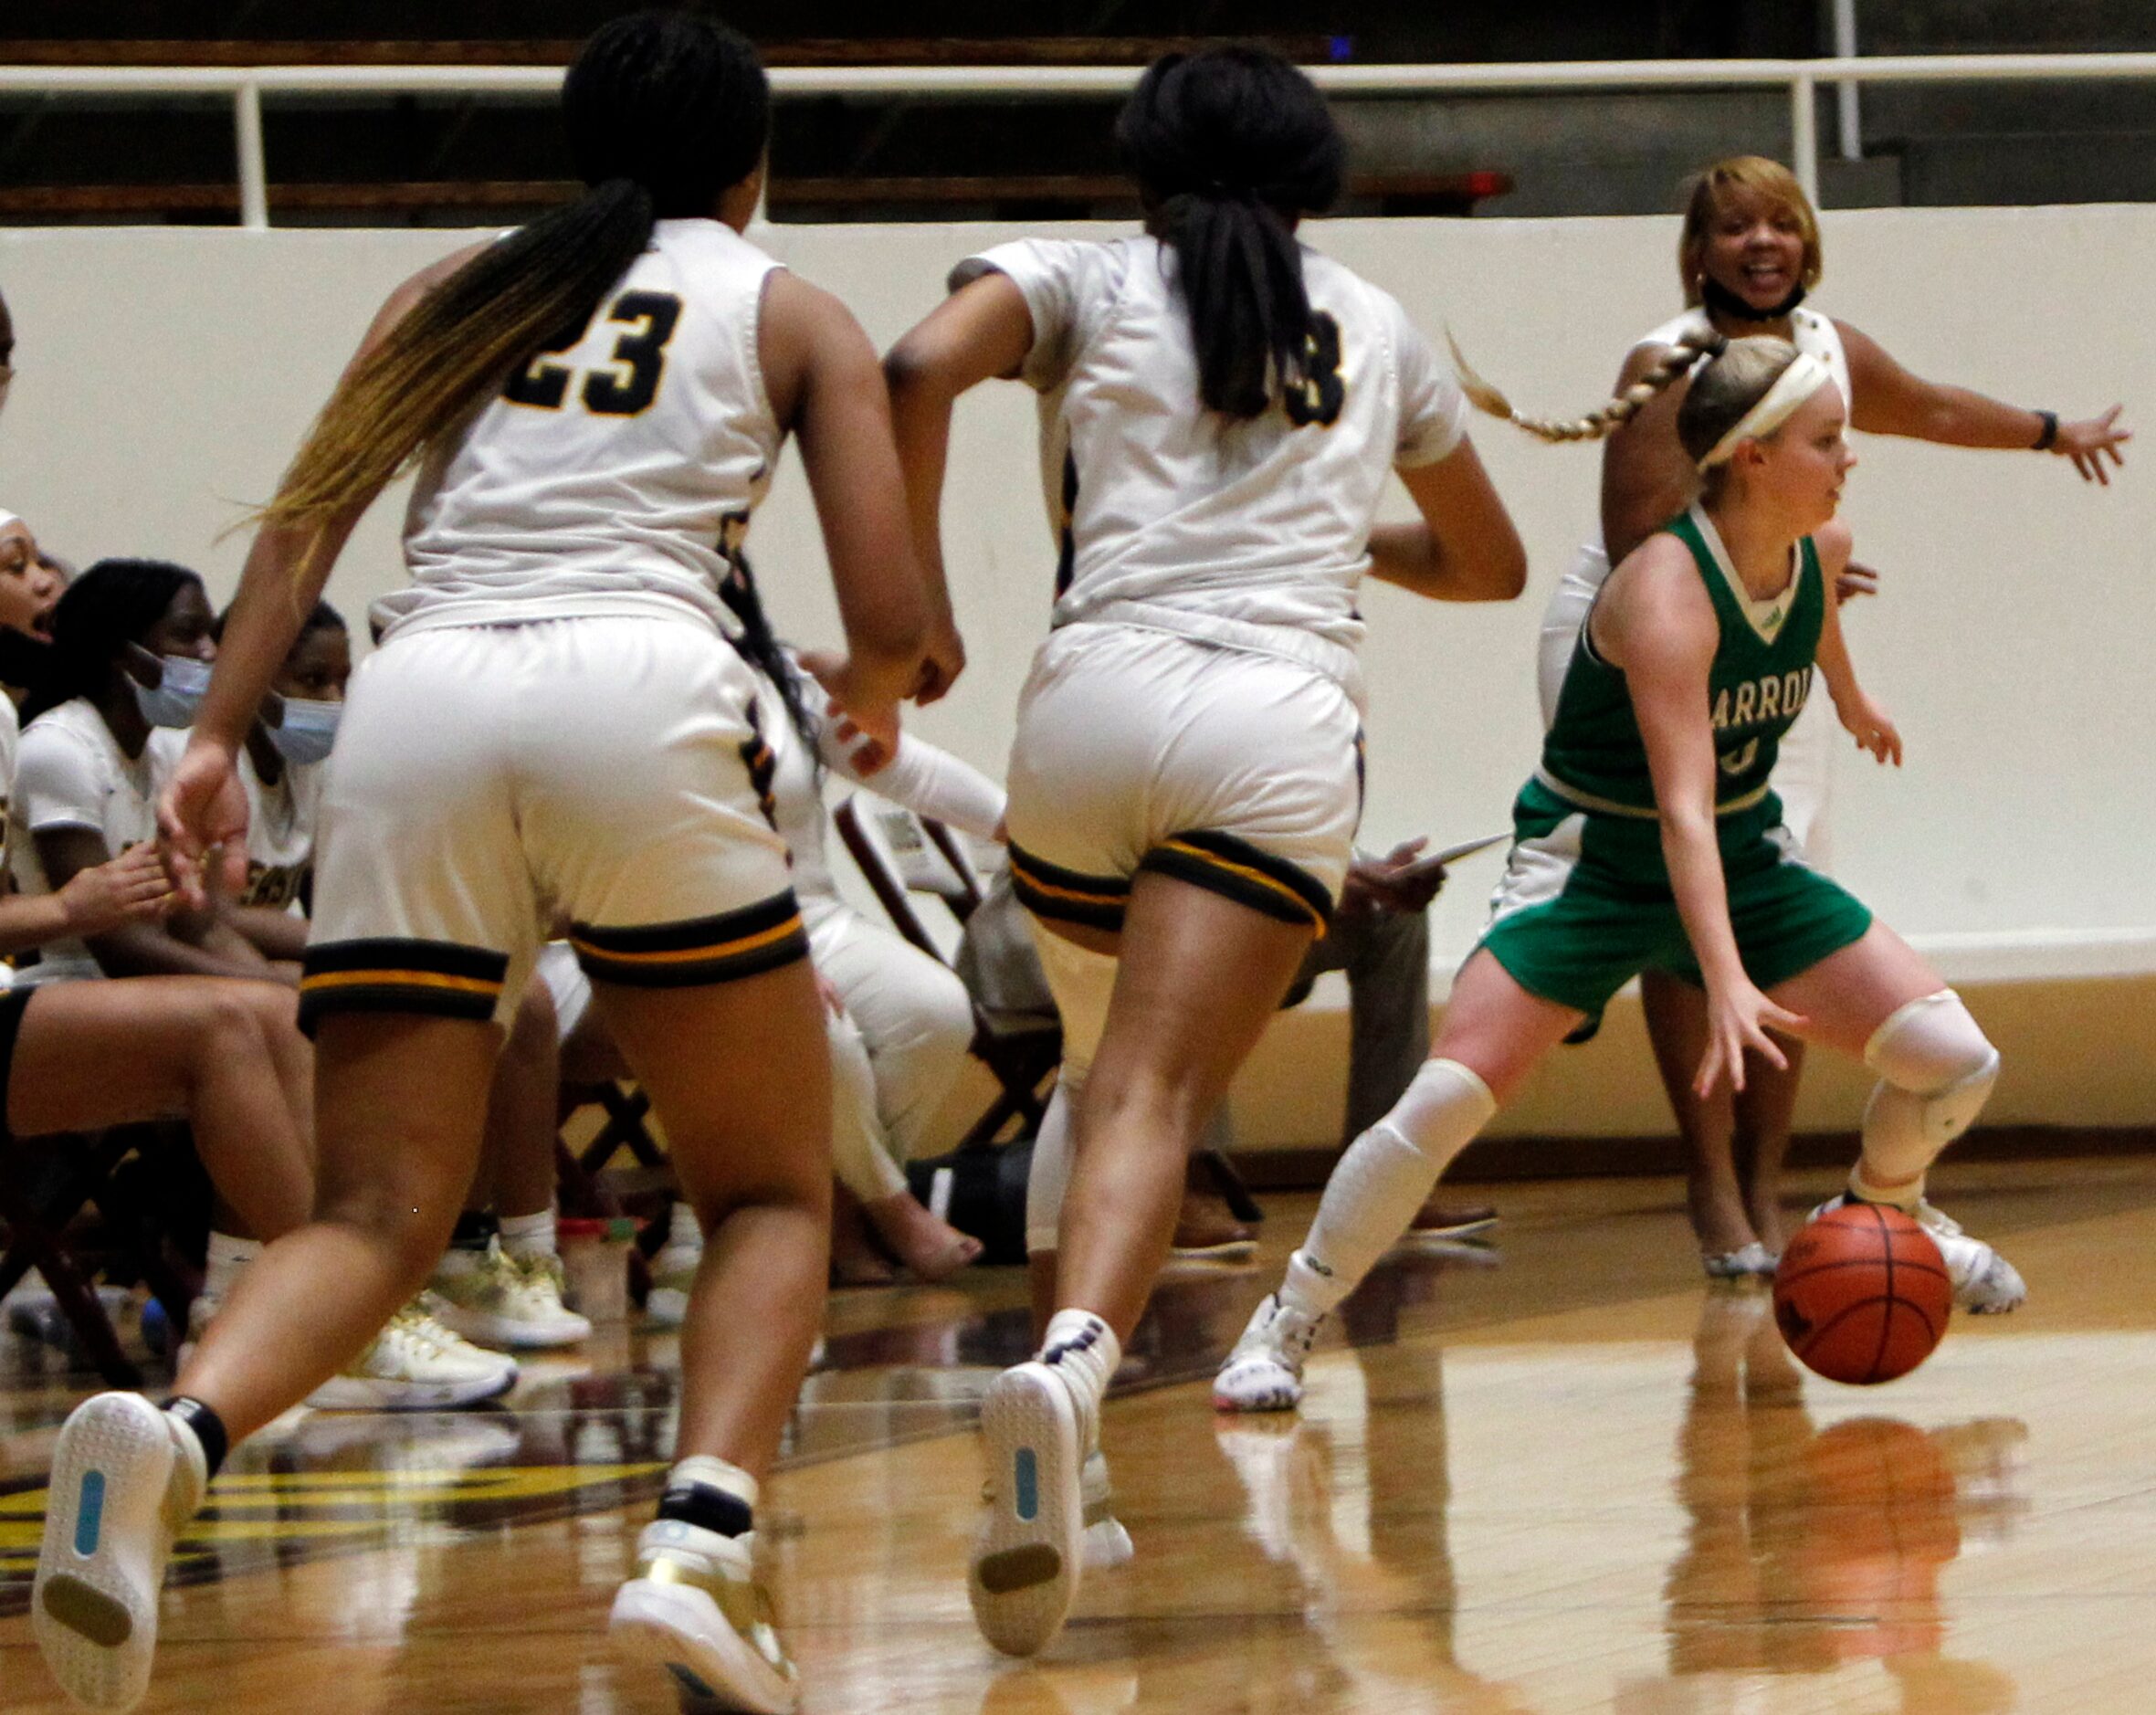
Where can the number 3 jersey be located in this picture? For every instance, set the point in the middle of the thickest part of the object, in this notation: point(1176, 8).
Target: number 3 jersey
point(613, 474)
point(1174, 515)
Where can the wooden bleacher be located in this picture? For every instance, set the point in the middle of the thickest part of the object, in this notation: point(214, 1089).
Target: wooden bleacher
point(99, 194)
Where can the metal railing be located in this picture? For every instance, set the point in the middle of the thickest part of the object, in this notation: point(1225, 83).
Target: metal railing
point(246, 86)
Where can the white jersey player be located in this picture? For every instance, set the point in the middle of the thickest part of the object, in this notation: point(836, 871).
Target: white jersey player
point(554, 725)
point(1221, 411)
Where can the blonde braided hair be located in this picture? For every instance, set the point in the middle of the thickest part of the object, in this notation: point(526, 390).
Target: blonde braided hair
point(1697, 340)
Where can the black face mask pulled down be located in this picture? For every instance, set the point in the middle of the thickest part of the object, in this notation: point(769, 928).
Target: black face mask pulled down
point(23, 660)
point(1720, 300)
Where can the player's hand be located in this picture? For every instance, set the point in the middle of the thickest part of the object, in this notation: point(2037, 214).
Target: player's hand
point(1854, 580)
point(945, 661)
point(1868, 725)
point(1387, 884)
point(834, 1002)
point(132, 888)
point(2092, 440)
point(864, 756)
point(202, 824)
point(872, 709)
point(1739, 1018)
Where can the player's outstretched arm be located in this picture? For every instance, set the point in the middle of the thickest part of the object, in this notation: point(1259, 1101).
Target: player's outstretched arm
point(1464, 548)
point(1891, 401)
point(828, 391)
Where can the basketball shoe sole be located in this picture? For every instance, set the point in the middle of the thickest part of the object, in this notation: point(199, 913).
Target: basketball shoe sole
point(1025, 1566)
point(114, 1504)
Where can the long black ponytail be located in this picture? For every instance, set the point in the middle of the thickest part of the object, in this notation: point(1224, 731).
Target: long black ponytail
point(1229, 146)
point(664, 110)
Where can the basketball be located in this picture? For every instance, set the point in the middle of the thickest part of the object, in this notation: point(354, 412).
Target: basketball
point(1862, 1295)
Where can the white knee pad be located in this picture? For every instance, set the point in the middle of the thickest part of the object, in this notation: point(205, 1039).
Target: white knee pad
point(1937, 1069)
point(1082, 982)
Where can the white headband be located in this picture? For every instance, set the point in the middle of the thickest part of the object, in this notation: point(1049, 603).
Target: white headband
point(8, 518)
point(1791, 387)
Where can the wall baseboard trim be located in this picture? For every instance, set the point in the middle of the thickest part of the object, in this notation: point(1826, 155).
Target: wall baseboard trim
point(1496, 1160)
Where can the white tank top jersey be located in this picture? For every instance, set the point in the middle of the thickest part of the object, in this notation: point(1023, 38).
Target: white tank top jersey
point(1171, 514)
point(281, 821)
point(613, 475)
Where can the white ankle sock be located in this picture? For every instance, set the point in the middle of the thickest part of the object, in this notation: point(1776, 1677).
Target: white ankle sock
point(222, 1262)
point(527, 1236)
point(1383, 1180)
point(682, 1228)
point(1084, 1347)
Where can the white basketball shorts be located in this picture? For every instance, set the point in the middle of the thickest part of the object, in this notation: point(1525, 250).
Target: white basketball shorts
point(1234, 771)
point(490, 779)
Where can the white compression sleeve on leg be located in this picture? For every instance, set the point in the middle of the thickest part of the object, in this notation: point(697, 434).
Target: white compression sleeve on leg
point(1936, 1070)
point(1082, 982)
point(1048, 1176)
point(1382, 1181)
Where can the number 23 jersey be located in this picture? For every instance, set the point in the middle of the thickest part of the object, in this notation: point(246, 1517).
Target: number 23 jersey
point(613, 474)
point(1161, 503)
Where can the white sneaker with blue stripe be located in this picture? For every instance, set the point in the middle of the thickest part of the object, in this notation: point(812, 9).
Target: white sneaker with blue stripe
point(125, 1478)
point(1025, 1566)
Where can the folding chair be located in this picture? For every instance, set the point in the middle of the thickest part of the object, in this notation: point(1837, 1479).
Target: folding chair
point(1019, 1052)
point(46, 1185)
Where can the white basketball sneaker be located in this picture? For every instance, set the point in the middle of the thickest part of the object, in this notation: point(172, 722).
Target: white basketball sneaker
point(1264, 1372)
point(125, 1478)
point(1031, 1550)
point(415, 1363)
point(511, 1303)
point(694, 1609)
point(1986, 1283)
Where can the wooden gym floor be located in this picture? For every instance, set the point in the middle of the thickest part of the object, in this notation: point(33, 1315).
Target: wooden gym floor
point(1560, 1475)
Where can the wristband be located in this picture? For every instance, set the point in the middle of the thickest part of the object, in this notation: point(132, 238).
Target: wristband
point(2050, 435)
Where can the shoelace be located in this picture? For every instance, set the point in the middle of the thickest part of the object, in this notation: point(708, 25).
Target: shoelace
point(422, 1330)
point(1937, 1222)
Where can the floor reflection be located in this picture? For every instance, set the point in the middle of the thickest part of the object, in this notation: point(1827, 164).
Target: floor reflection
point(1353, 1503)
point(1814, 1550)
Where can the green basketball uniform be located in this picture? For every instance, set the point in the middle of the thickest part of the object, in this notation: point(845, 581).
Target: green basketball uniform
point(1585, 903)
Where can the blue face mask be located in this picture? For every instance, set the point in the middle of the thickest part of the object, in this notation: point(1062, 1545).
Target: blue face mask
point(309, 730)
point(178, 693)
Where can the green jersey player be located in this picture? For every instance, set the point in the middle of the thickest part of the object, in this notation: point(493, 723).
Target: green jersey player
point(1649, 838)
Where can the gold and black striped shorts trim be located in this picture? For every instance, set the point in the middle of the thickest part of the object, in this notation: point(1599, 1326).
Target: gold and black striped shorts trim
point(1067, 896)
point(396, 973)
point(702, 950)
point(1237, 869)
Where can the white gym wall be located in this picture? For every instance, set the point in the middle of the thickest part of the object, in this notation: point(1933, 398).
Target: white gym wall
point(166, 374)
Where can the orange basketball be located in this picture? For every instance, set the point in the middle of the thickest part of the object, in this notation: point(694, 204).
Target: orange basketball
point(1862, 1294)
